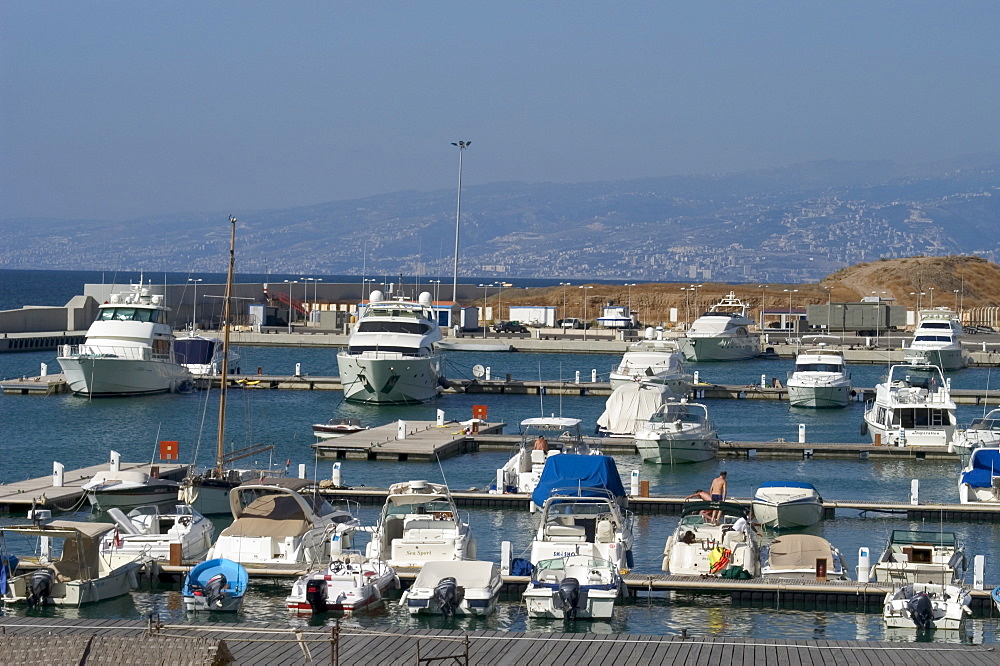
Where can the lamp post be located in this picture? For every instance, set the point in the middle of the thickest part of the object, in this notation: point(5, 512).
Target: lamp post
point(194, 303)
point(762, 288)
point(585, 299)
point(564, 285)
point(501, 284)
point(878, 314)
point(290, 309)
point(931, 289)
point(956, 300)
point(485, 289)
point(687, 305)
point(437, 289)
point(790, 292)
point(461, 145)
point(630, 285)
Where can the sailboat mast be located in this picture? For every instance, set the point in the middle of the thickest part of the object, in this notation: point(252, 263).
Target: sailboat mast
point(223, 383)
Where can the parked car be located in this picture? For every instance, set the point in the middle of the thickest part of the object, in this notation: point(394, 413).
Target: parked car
point(571, 322)
point(510, 327)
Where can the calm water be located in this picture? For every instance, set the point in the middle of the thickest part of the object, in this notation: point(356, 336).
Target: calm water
point(79, 432)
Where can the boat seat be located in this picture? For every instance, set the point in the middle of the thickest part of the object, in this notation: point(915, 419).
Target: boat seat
point(538, 457)
point(568, 533)
point(605, 531)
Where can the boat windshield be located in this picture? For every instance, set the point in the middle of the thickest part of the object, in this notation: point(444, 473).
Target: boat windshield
point(679, 412)
point(932, 338)
point(559, 564)
point(818, 367)
point(925, 538)
point(132, 314)
point(577, 506)
point(429, 506)
point(934, 324)
point(411, 327)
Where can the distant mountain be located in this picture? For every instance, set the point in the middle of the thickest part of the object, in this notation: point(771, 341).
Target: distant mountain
point(793, 224)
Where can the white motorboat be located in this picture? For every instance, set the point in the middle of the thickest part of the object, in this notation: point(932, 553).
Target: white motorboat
point(722, 333)
point(617, 317)
point(337, 428)
point(217, 585)
point(678, 432)
point(981, 433)
point(787, 504)
point(920, 556)
point(712, 539)
point(350, 584)
point(980, 480)
point(391, 356)
point(577, 587)
point(128, 349)
point(581, 501)
point(937, 339)
point(454, 588)
point(802, 557)
point(420, 523)
point(656, 361)
point(128, 489)
point(146, 533)
point(562, 436)
point(78, 576)
point(274, 524)
point(201, 354)
point(629, 405)
point(912, 407)
point(820, 379)
point(926, 606)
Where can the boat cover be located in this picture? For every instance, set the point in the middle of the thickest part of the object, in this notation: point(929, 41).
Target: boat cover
point(276, 516)
point(631, 402)
point(984, 462)
point(798, 551)
point(195, 350)
point(467, 573)
point(591, 474)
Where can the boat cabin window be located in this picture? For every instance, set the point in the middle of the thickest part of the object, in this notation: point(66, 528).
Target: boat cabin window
point(932, 338)
point(412, 327)
point(131, 314)
point(406, 351)
point(934, 324)
point(818, 367)
point(419, 508)
point(919, 418)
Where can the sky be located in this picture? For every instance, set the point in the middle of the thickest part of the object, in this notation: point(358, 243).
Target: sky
point(117, 110)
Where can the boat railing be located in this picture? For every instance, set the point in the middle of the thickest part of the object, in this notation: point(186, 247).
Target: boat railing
point(131, 353)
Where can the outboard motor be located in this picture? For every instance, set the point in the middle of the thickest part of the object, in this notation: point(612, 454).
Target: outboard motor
point(446, 594)
point(569, 593)
point(316, 595)
point(40, 587)
point(215, 589)
point(921, 612)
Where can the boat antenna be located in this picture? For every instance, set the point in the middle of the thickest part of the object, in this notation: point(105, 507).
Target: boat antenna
point(441, 467)
point(541, 392)
point(152, 458)
point(223, 378)
point(986, 397)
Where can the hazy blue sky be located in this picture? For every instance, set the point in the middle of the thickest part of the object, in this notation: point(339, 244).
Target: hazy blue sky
point(121, 109)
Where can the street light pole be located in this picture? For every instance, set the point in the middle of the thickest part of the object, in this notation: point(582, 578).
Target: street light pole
point(931, 289)
point(790, 292)
point(762, 288)
point(630, 285)
point(585, 299)
point(485, 289)
point(461, 145)
point(194, 304)
point(290, 308)
point(564, 285)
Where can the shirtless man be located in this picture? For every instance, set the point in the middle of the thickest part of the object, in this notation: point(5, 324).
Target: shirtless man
point(718, 491)
point(541, 444)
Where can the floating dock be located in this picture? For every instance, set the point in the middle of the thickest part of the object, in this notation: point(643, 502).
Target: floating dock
point(405, 440)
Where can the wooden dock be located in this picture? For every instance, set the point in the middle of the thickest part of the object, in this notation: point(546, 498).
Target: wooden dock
point(47, 385)
point(405, 440)
point(50, 640)
point(21, 495)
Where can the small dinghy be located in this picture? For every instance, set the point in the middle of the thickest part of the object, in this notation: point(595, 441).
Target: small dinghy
point(454, 588)
point(573, 588)
point(351, 583)
point(216, 585)
point(337, 428)
point(926, 606)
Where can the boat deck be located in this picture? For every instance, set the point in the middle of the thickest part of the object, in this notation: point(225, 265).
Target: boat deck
point(347, 643)
point(421, 441)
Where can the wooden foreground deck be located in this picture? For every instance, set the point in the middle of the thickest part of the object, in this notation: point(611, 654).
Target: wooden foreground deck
point(26, 639)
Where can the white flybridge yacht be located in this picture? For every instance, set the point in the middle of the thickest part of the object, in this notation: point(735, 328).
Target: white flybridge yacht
point(820, 379)
point(128, 350)
point(390, 356)
point(722, 333)
point(937, 340)
point(656, 361)
point(913, 406)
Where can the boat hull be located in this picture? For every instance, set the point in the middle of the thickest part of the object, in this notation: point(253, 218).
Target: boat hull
point(727, 348)
point(949, 606)
point(209, 497)
point(784, 515)
point(386, 378)
point(116, 583)
point(819, 397)
point(595, 603)
point(677, 451)
point(946, 359)
point(134, 497)
point(106, 376)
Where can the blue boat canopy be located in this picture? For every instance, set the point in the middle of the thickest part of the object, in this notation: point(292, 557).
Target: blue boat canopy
point(984, 462)
point(567, 472)
point(787, 484)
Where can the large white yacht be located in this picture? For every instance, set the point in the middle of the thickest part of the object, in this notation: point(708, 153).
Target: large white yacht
point(722, 333)
point(819, 380)
point(390, 356)
point(912, 407)
point(128, 349)
point(937, 340)
point(653, 360)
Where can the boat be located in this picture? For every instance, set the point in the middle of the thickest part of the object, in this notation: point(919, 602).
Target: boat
point(208, 491)
point(980, 480)
point(926, 606)
point(629, 405)
point(338, 428)
point(995, 595)
point(912, 407)
point(562, 436)
point(451, 345)
point(576, 587)
point(981, 433)
point(201, 354)
point(787, 504)
point(273, 523)
point(128, 349)
point(617, 317)
point(581, 500)
point(78, 576)
point(937, 339)
point(128, 489)
point(454, 588)
point(420, 523)
point(802, 557)
point(722, 333)
point(147, 533)
point(820, 379)
point(677, 432)
point(216, 585)
point(920, 556)
point(391, 356)
point(702, 545)
point(656, 361)
point(351, 583)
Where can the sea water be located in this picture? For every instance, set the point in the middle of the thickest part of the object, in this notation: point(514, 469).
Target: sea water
point(77, 432)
